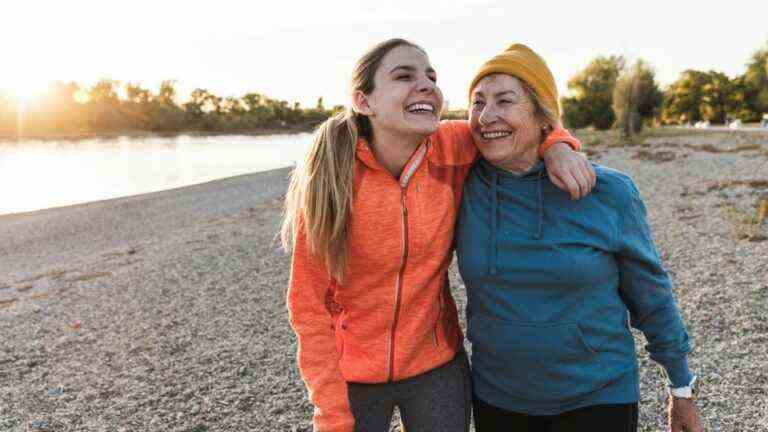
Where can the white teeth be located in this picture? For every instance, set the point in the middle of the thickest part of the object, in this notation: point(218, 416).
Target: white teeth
point(420, 107)
point(494, 135)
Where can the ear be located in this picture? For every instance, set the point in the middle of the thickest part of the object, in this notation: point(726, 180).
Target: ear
point(360, 103)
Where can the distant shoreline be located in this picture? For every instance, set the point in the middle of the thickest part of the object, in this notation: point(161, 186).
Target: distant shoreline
point(78, 136)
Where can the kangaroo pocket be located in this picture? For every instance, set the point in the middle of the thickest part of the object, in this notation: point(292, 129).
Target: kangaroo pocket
point(541, 362)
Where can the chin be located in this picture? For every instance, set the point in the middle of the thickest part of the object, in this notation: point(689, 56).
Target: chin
point(492, 153)
point(426, 129)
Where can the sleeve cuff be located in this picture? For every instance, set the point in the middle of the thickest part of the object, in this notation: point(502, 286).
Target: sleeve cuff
point(556, 136)
point(678, 373)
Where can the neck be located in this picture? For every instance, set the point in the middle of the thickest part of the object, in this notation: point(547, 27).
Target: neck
point(521, 163)
point(394, 150)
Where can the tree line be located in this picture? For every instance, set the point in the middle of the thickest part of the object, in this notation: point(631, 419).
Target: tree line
point(611, 93)
point(110, 107)
point(607, 93)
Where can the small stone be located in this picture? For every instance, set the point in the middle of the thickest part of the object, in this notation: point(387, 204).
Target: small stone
point(39, 426)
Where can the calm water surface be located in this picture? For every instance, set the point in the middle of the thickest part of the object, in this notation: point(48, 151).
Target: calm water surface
point(42, 174)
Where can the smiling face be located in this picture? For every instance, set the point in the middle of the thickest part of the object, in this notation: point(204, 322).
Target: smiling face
point(504, 123)
point(405, 99)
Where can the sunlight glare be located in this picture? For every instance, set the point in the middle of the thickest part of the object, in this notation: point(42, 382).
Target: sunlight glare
point(26, 92)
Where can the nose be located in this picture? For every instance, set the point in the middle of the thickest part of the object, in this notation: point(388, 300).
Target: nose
point(426, 85)
point(487, 115)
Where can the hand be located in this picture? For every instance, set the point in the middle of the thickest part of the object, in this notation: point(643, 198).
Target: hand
point(569, 170)
point(683, 415)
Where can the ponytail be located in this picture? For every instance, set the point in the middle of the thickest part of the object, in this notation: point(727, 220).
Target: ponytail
point(319, 197)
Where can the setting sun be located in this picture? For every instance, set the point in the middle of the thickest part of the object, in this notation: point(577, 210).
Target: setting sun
point(26, 91)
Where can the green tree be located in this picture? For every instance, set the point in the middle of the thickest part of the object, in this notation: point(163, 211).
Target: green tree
point(138, 95)
point(104, 91)
point(591, 94)
point(195, 107)
point(166, 116)
point(138, 106)
point(756, 85)
point(104, 106)
point(715, 104)
point(232, 106)
point(167, 93)
point(636, 98)
point(683, 98)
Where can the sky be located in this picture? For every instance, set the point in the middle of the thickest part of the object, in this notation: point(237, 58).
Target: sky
point(302, 50)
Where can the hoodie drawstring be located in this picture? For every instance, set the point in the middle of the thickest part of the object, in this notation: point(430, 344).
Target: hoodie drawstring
point(494, 224)
point(493, 264)
point(541, 208)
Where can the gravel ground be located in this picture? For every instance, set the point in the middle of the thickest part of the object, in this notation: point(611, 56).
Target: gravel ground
point(165, 311)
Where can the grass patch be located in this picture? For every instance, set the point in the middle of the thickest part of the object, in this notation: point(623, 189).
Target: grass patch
point(709, 148)
point(611, 138)
point(724, 184)
point(657, 156)
point(747, 226)
point(5, 303)
point(90, 276)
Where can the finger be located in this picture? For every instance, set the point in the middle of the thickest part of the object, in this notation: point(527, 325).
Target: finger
point(571, 185)
point(590, 173)
point(581, 179)
point(556, 180)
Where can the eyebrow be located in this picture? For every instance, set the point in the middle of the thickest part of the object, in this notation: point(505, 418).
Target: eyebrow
point(409, 68)
point(499, 94)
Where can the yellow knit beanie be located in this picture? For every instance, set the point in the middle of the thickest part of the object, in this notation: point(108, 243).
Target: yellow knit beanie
point(522, 62)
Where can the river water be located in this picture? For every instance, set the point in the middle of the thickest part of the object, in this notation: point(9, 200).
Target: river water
point(42, 174)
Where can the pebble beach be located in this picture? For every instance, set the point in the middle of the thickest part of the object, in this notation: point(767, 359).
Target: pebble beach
point(166, 311)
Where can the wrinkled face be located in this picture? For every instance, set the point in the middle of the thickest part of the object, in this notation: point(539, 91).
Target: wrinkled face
point(405, 99)
point(503, 120)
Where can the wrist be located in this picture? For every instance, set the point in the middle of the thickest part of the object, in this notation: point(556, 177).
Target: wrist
point(684, 392)
point(677, 372)
point(554, 146)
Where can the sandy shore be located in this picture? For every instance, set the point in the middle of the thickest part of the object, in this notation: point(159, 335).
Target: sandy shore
point(165, 311)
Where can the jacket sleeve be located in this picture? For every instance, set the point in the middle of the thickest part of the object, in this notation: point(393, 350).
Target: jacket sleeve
point(557, 135)
point(646, 289)
point(317, 354)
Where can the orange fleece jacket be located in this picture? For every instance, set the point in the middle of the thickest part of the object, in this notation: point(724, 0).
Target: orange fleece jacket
point(394, 317)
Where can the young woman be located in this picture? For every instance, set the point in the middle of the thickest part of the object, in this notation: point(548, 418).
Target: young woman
point(370, 216)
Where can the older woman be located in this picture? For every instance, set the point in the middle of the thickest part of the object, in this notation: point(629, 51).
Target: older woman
point(551, 281)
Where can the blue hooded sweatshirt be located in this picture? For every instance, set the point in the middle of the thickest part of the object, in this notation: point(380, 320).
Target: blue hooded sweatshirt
point(551, 284)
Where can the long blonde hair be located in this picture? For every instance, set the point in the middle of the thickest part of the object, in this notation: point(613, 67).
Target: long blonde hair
point(319, 197)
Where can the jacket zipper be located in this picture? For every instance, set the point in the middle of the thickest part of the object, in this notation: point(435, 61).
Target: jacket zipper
point(398, 286)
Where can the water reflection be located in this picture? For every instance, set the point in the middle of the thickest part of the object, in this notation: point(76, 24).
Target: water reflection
point(42, 174)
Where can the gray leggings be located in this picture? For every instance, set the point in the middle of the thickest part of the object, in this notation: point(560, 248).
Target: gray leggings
point(438, 400)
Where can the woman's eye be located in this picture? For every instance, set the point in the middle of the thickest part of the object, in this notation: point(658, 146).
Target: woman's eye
point(477, 104)
point(505, 101)
point(403, 77)
point(433, 79)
